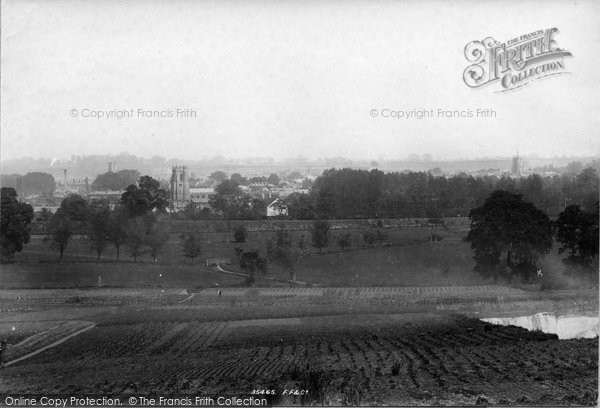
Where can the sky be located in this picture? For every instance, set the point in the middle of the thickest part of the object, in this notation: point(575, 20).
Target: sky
point(287, 78)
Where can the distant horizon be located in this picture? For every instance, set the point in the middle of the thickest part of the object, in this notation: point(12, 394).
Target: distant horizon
point(309, 159)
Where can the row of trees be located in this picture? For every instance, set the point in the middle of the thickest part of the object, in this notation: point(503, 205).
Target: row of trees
point(348, 193)
point(132, 223)
point(281, 250)
point(31, 183)
point(218, 177)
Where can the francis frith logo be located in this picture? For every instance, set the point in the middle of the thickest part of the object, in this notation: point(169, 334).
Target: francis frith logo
point(514, 63)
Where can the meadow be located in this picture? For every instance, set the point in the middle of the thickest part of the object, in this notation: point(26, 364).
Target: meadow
point(406, 258)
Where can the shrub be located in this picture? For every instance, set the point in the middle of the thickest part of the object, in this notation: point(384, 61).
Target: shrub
point(240, 234)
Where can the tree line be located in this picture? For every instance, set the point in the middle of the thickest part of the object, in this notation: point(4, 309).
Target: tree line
point(356, 194)
point(349, 193)
point(132, 223)
point(509, 232)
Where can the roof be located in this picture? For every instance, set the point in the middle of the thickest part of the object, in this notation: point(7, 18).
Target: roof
point(202, 190)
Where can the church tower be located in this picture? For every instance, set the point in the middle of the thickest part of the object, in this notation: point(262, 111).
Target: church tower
point(180, 187)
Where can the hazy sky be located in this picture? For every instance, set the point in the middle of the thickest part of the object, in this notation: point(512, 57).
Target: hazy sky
point(287, 78)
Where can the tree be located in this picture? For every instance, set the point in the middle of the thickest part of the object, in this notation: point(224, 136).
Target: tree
point(586, 189)
point(191, 246)
point(144, 198)
point(117, 228)
point(16, 218)
point(60, 231)
point(236, 178)
point(36, 183)
point(281, 251)
point(344, 240)
point(98, 227)
point(321, 234)
point(300, 206)
point(293, 176)
point(508, 236)
point(115, 181)
point(75, 207)
point(273, 179)
point(157, 237)
point(136, 236)
point(577, 232)
point(240, 233)
point(257, 209)
point(257, 180)
point(217, 177)
point(227, 188)
point(252, 262)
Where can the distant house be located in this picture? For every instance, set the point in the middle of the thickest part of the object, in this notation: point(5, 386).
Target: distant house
point(51, 208)
point(113, 197)
point(277, 209)
point(201, 196)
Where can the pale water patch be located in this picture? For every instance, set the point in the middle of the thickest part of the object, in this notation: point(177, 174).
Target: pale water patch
point(565, 327)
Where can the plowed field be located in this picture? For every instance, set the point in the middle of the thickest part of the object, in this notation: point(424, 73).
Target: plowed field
point(363, 359)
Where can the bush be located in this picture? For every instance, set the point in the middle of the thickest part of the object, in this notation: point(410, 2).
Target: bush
point(240, 234)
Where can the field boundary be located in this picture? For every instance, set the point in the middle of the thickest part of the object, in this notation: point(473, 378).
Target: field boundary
point(263, 277)
point(46, 347)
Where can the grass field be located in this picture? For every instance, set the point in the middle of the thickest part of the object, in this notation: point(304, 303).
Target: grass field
point(406, 259)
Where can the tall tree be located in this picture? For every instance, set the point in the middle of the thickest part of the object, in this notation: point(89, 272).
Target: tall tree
point(283, 252)
point(321, 234)
point(117, 228)
point(60, 231)
point(98, 227)
point(158, 235)
point(75, 207)
point(192, 246)
point(508, 236)
point(577, 232)
point(16, 218)
point(253, 262)
point(136, 236)
point(144, 198)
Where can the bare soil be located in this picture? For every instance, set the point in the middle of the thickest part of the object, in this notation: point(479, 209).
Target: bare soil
point(356, 354)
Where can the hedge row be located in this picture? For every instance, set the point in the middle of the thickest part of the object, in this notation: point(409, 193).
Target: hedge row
point(184, 226)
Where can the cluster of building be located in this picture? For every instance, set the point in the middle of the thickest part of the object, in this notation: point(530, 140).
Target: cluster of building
point(182, 193)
